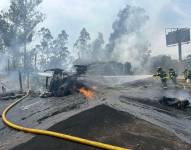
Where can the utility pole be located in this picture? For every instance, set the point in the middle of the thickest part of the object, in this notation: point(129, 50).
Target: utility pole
point(179, 44)
point(20, 82)
point(180, 51)
point(8, 64)
point(35, 59)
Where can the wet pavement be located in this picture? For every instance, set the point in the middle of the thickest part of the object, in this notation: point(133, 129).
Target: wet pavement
point(142, 102)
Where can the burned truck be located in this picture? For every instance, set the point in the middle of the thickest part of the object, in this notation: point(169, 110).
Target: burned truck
point(63, 84)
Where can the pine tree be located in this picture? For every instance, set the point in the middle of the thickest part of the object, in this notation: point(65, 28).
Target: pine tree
point(23, 18)
point(82, 45)
point(59, 51)
point(43, 50)
point(98, 52)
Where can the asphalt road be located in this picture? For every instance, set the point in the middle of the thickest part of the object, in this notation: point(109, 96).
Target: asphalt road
point(137, 95)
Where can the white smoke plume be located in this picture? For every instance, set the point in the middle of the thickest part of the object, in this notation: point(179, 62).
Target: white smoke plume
point(127, 42)
point(3, 62)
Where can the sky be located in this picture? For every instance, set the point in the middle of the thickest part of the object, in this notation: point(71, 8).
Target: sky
point(98, 16)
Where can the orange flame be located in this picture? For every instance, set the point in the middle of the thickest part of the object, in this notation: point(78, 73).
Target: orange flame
point(86, 92)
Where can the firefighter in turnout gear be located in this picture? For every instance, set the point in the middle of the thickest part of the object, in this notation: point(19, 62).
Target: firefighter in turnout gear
point(188, 76)
point(185, 74)
point(172, 75)
point(163, 76)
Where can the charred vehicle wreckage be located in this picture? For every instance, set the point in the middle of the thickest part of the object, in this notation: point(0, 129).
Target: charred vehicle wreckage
point(63, 84)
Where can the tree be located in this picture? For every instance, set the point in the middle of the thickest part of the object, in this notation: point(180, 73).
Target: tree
point(43, 50)
point(2, 46)
point(3, 31)
point(50, 52)
point(82, 45)
point(34, 54)
point(60, 50)
point(23, 19)
point(97, 48)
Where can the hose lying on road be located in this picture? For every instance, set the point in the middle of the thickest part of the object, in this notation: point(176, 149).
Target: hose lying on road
point(55, 134)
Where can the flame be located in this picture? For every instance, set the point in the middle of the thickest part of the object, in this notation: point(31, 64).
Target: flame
point(86, 92)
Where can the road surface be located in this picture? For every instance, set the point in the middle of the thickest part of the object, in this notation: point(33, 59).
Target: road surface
point(136, 95)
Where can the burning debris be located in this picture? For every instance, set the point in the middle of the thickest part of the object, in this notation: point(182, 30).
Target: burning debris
point(174, 102)
point(63, 84)
point(86, 92)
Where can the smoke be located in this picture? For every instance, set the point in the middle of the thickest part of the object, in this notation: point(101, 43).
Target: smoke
point(127, 42)
point(97, 48)
point(3, 62)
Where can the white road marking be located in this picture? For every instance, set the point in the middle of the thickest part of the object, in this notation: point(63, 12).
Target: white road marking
point(30, 105)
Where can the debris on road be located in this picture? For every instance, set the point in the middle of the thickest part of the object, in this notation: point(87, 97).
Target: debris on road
point(174, 102)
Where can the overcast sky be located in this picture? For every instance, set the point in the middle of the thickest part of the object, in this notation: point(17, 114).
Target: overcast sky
point(98, 15)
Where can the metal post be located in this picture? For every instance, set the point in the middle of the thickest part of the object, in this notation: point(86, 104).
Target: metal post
point(20, 82)
point(179, 44)
point(180, 51)
point(47, 83)
point(28, 81)
point(8, 64)
point(35, 61)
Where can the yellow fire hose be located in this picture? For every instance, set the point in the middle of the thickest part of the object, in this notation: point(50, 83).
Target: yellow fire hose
point(55, 134)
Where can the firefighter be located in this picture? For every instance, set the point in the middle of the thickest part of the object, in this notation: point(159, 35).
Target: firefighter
point(163, 76)
point(172, 75)
point(185, 74)
point(188, 76)
point(3, 89)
